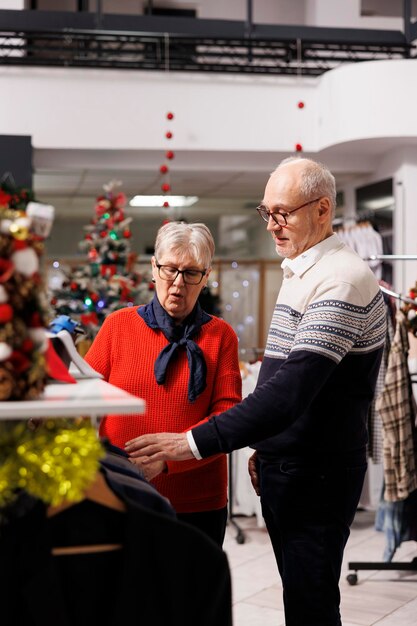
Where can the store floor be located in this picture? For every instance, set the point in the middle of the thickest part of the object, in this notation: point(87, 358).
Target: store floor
point(385, 598)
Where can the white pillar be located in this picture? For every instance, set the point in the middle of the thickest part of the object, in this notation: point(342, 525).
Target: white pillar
point(405, 222)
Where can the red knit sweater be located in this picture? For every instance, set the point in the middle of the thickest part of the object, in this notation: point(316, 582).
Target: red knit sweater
point(125, 351)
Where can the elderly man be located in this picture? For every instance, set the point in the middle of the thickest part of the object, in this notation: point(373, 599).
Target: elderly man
point(307, 417)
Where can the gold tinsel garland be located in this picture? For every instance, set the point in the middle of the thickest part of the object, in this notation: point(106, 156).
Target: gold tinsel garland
point(55, 462)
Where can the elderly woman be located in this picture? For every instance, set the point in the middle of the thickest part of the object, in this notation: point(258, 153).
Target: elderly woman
point(184, 363)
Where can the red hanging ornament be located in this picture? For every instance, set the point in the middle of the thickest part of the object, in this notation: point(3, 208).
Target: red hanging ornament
point(19, 361)
point(103, 233)
point(170, 116)
point(163, 169)
point(6, 313)
point(35, 320)
point(27, 344)
point(301, 105)
point(127, 234)
point(169, 154)
point(298, 147)
point(74, 286)
point(168, 135)
point(165, 187)
point(88, 237)
point(166, 205)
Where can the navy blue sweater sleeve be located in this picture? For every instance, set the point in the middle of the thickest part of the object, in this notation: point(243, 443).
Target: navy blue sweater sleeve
point(270, 409)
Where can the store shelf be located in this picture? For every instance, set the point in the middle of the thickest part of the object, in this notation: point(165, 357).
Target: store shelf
point(92, 397)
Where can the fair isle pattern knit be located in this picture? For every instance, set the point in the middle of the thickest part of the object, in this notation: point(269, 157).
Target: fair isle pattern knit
point(328, 327)
point(319, 370)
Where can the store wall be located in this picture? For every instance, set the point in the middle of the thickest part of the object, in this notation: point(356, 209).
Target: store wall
point(333, 13)
point(110, 109)
point(346, 14)
point(371, 100)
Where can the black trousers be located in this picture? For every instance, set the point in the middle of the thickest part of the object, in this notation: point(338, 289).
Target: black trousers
point(212, 523)
point(308, 511)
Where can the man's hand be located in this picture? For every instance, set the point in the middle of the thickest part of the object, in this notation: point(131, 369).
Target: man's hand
point(253, 473)
point(159, 447)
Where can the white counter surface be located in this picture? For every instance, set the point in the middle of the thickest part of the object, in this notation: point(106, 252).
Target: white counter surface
point(89, 397)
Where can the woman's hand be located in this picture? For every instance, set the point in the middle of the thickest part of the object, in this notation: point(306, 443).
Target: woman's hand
point(159, 447)
point(150, 470)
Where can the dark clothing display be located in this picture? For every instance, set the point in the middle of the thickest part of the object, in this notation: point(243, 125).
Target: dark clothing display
point(160, 561)
point(127, 482)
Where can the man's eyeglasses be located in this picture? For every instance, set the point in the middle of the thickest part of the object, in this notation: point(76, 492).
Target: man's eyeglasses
point(190, 277)
point(280, 217)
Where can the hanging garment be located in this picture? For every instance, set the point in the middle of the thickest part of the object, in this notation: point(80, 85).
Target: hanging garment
point(375, 445)
point(398, 521)
point(155, 570)
point(397, 409)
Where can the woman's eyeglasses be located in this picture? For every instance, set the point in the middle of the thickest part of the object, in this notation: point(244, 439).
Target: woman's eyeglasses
point(280, 217)
point(190, 277)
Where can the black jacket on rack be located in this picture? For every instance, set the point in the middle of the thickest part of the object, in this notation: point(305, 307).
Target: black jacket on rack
point(163, 573)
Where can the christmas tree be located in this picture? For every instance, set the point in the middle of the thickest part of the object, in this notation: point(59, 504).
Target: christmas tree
point(24, 224)
point(108, 280)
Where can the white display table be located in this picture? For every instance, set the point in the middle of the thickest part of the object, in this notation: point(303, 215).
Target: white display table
point(92, 397)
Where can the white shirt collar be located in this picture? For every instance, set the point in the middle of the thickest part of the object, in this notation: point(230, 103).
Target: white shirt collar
point(309, 257)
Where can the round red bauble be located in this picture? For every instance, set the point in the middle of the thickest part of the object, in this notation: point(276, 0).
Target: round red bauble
point(298, 147)
point(89, 237)
point(74, 286)
point(6, 313)
point(170, 116)
point(165, 187)
point(35, 320)
point(163, 169)
point(168, 135)
point(166, 205)
point(169, 154)
point(94, 297)
point(103, 233)
point(127, 234)
point(27, 344)
point(300, 105)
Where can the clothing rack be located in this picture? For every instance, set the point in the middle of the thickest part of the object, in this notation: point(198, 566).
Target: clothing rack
point(398, 296)
point(409, 566)
point(392, 257)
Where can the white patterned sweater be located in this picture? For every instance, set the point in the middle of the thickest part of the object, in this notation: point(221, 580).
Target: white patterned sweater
point(320, 365)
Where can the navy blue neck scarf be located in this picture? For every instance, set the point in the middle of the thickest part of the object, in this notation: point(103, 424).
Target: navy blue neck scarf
point(157, 318)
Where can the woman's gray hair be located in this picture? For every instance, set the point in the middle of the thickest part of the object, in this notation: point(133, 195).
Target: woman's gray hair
point(193, 240)
point(316, 180)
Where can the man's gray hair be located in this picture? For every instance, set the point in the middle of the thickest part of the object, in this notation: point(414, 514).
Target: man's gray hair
point(316, 180)
point(183, 239)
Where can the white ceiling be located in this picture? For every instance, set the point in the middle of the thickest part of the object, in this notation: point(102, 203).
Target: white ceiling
point(70, 180)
